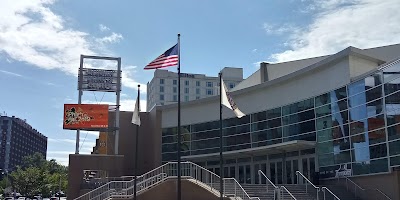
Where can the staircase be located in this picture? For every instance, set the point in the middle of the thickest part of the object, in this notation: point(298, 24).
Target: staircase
point(298, 191)
point(260, 191)
point(189, 170)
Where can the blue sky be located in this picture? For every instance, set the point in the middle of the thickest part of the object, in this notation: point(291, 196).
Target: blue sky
point(41, 41)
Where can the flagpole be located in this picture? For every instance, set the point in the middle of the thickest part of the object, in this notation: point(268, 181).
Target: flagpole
point(136, 146)
point(179, 118)
point(221, 165)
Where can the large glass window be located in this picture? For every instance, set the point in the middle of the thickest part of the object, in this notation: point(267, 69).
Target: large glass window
point(260, 116)
point(373, 166)
point(393, 108)
point(273, 113)
point(298, 107)
point(299, 128)
point(298, 117)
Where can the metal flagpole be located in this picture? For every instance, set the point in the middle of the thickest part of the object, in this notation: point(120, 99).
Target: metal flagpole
point(221, 165)
point(179, 118)
point(137, 143)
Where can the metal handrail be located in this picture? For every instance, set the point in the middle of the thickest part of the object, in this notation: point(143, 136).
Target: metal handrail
point(244, 193)
point(104, 189)
point(298, 172)
point(327, 189)
point(305, 178)
point(387, 197)
point(355, 186)
point(283, 187)
point(125, 189)
point(270, 182)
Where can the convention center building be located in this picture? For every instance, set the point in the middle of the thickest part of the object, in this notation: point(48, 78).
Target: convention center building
point(327, 117)
point(330, 116)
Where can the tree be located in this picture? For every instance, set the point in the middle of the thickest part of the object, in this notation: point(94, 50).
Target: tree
point(34, 160)
point(37, 175)
point(28, 182)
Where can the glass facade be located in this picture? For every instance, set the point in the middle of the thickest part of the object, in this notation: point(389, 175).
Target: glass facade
point(356, 127)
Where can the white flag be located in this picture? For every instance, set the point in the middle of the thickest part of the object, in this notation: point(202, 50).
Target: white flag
point(228, 101)
point(135, 116)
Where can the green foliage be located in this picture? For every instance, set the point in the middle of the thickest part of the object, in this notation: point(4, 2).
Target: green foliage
point(37, 175)
point(29, 181)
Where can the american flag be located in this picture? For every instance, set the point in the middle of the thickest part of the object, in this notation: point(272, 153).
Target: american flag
point(167, 59)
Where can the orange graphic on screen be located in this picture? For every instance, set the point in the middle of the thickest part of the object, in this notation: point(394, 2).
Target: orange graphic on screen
point(85, 116)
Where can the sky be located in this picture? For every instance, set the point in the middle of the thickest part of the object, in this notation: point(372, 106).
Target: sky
point(41, 42)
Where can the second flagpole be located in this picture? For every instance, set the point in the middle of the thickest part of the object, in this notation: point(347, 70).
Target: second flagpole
point(221, 165)
point(179, 119)
point(136, 145)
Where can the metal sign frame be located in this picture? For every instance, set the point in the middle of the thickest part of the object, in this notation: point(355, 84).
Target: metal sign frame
point(107, 81)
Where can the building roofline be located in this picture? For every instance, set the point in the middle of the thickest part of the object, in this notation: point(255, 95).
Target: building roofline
point(349, 51)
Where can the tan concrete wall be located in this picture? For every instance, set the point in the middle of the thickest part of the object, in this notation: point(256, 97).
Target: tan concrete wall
point(359, 66)
point(167, 191)
point(387, 183)
point(113, 164)
point(149, 154)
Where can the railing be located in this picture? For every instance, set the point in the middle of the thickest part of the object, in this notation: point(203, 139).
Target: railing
point(334, 197)
point(234, 189)
point(357, 190)
point(383, 194)
point(283, 196)
point(140, 186)
point(198, 174)
point(268, 182)
point(308, 182)
point(97, 182)
point(119, 187)
point(364, 193)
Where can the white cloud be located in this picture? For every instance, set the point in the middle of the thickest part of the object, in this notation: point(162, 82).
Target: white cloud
point(31, 32)
point(62, 140)
point(338, 24)
point(113, 38)
point(274, 29)
point(10, 73)
point(127, 81)
point(62, 156)
point(103, 28)
point(126, 104)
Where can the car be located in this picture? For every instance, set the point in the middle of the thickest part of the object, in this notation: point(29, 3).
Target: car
point(9, 198)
